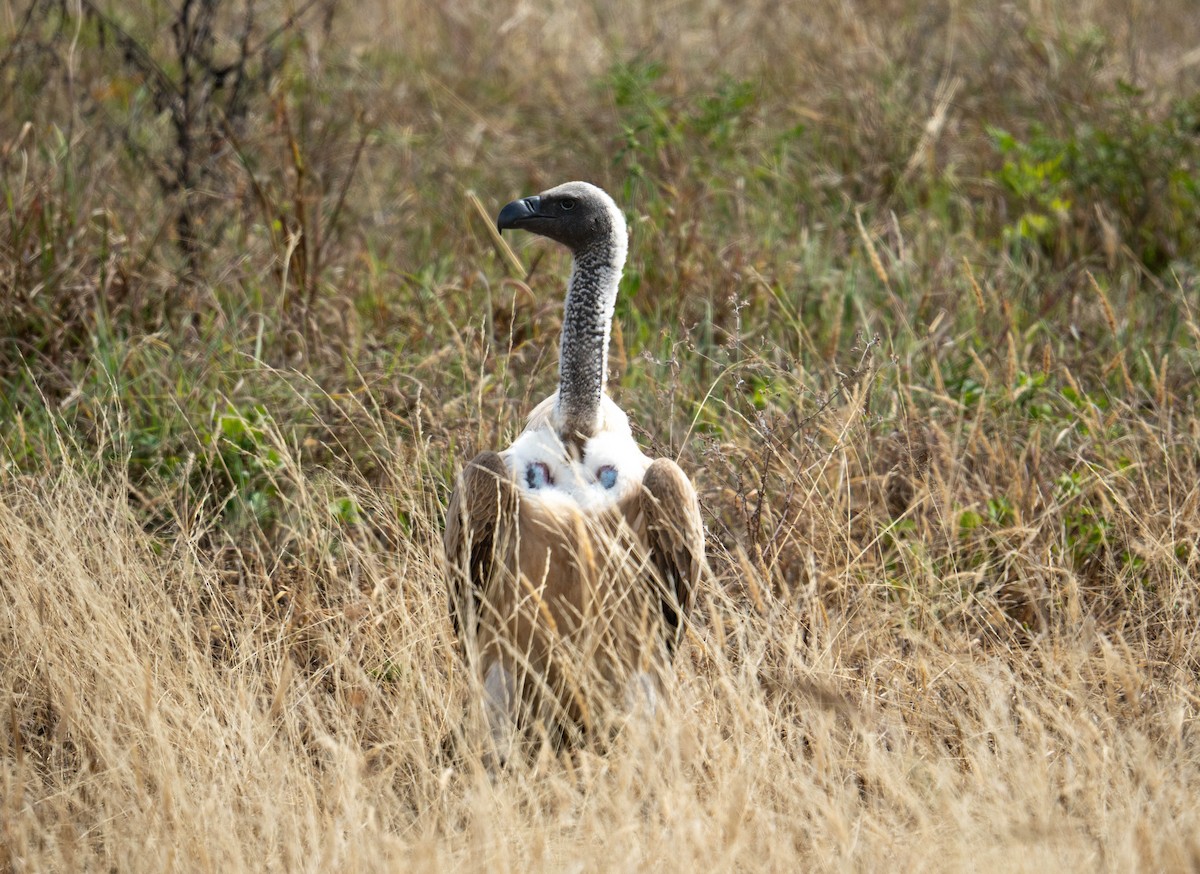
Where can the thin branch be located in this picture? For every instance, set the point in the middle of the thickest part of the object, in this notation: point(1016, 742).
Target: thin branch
point(345, 187)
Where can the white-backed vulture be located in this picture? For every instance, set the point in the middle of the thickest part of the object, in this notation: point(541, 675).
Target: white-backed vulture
point(571, 557)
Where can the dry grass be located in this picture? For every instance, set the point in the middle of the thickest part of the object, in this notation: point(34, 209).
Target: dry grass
point(911, 292)
point(162, 716)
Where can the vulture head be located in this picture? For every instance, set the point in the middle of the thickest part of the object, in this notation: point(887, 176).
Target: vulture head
point(576, 214)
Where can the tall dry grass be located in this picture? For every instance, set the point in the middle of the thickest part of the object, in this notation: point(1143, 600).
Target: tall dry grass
point(165, 712)
point(911, 294)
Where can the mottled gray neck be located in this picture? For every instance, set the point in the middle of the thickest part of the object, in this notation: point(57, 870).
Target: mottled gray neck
point(583, 359)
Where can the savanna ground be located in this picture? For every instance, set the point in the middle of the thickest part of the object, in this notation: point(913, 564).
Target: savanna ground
point(912, 293)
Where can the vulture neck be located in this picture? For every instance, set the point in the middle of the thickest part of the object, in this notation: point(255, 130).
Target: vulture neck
point(587, 321)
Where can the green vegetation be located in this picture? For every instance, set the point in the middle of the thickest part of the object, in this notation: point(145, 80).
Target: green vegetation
point(912, 292)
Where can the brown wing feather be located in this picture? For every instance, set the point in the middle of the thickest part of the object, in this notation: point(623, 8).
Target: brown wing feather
point(675, 538)
point(477, 524)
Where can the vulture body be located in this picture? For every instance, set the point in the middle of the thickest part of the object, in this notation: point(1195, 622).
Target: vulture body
point(572, 557)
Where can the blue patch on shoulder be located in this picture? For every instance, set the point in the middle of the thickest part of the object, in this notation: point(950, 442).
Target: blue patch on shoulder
point(537, 475)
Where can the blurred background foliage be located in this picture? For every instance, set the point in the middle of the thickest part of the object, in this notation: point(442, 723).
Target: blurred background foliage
point(911, 294)
point(237, 235)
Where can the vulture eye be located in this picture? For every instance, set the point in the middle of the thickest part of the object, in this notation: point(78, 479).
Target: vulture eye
point(568, 203)
point(607, 476)
point(537, 475)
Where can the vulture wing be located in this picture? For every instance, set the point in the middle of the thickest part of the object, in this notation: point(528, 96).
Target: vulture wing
point(479, 524)
point(675, 539)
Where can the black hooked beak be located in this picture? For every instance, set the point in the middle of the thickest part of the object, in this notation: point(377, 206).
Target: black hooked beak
point(518, 213)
